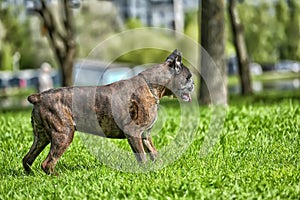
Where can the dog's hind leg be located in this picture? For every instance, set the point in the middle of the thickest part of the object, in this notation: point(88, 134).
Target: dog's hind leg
point(40, 142)
point(59, 144)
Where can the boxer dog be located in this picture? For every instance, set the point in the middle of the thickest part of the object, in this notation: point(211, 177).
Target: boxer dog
point(125, 109)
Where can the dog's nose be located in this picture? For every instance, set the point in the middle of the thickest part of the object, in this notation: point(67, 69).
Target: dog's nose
point(191, 88)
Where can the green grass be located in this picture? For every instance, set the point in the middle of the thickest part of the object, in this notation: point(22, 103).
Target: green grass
point(266, 77)
point(257, 157)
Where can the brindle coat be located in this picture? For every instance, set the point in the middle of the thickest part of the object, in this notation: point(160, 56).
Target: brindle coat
point(124, 109)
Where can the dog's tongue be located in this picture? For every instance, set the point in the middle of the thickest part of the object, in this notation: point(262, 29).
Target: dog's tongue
point(186, 97)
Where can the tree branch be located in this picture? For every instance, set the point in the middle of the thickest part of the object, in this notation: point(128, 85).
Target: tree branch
point(68, 24)
point(49, 21)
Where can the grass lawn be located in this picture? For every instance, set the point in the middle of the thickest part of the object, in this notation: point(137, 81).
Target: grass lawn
point(257, 157)
point(266, 77)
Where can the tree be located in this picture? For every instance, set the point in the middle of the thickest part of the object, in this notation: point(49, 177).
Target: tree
point(282, 18)
point(60, 33)
point(240, 47)
point(212, 38)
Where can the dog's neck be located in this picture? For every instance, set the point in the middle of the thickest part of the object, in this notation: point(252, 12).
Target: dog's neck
point(157, 82)
point(155, 89)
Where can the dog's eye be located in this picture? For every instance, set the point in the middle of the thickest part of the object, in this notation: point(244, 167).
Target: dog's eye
point(189, 77)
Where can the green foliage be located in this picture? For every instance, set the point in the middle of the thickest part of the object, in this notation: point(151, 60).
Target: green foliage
point(191, 25)
point(282, 9)
point(260, 33)
point(271, 30)
point(2, 33)
point(102, 23)
point(257, 157)
point(292, 49)
point(133, 23)
point(18, 37)
point(143, 56)
point(6, 57)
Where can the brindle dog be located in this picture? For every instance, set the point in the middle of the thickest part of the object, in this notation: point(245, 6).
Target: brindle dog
point(124, 109)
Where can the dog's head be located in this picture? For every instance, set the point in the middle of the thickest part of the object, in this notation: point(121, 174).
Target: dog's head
point(181, 83)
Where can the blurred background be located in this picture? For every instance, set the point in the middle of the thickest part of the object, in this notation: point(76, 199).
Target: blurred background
point(63, 33)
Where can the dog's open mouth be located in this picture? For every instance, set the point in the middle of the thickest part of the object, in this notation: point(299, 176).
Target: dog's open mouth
point(186, 97)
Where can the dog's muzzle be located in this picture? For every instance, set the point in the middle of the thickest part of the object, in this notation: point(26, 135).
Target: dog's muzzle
point(186, 91)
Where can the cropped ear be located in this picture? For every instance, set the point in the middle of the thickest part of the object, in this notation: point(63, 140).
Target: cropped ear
point(174, 60)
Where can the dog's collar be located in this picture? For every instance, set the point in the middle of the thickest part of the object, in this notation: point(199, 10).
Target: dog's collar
point(150, 88)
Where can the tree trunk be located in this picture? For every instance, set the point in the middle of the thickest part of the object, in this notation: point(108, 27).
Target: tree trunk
point(60, 38)
point(213, 80)
point(240, 47)
point(67, 66)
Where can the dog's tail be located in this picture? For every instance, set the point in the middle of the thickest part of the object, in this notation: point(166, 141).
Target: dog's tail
point(34, 98)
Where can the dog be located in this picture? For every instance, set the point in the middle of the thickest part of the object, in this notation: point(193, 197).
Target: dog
point(125, 109)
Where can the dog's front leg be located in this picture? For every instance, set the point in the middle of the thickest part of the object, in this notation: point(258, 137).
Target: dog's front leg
point(147, 141)
point(137, 147)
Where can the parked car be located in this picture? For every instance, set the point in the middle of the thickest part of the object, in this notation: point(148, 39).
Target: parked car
point(288, 66)
point(232, 67)
point(1, 84)
point(14, 82)
point(4, 77)
point(25, 79)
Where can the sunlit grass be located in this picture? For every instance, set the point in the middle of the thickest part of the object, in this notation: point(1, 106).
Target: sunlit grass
point(257, 157)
